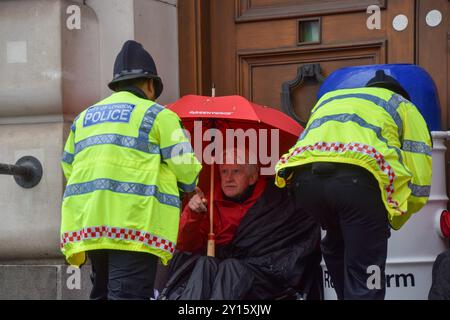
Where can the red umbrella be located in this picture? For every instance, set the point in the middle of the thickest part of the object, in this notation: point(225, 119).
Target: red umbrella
point(236, 122)
point(235, 112)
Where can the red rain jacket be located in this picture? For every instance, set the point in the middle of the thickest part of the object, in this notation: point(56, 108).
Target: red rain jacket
point(194, 227)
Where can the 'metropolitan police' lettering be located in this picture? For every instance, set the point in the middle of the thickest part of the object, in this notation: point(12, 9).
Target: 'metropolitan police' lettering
point(120, 112)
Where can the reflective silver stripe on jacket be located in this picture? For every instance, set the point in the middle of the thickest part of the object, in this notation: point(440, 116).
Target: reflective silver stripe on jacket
point(122, 187)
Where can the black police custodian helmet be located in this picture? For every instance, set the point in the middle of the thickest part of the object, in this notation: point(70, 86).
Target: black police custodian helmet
point(381, 80)
point(134, 62)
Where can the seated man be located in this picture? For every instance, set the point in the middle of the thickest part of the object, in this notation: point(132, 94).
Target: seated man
point(265, 246)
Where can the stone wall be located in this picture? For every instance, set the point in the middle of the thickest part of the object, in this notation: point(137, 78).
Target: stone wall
point(56, 58)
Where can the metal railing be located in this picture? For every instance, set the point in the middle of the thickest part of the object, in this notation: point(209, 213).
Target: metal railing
point(27, 171)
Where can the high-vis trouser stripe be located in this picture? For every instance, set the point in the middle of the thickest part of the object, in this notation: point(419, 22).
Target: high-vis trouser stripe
point(117, 234)
point(122, 187)
point(338, 147)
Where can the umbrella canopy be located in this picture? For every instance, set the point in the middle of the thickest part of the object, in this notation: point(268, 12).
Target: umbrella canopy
point(267, 132)
point(237, 111)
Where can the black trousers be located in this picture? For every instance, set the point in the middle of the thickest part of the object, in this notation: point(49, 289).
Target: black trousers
point(346, 201)
point(122, 275)
point(213, 279)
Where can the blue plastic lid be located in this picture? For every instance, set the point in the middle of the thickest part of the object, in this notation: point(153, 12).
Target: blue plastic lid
point(414, 79)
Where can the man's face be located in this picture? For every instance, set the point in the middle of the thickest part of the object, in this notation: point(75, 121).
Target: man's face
point(235, 179)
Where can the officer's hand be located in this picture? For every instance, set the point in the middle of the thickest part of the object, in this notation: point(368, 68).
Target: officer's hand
point(198, 202)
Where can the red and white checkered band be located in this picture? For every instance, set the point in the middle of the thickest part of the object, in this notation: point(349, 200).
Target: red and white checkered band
point(118, 234)
point(352, 147)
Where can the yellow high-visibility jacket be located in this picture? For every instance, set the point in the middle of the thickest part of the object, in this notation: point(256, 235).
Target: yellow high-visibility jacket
point(378, 130)
point(126, 160)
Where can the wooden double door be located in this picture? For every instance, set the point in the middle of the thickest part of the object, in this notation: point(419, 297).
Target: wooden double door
point(253, 47)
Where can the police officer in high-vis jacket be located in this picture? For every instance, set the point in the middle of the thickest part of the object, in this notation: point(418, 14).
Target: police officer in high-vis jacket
point(126, 162)
point(361, 167)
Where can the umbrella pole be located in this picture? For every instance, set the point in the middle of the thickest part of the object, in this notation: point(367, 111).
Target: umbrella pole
point(211, 236)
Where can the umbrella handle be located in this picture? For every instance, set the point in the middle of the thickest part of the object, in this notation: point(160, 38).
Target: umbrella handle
point(211, 236)
point(211, 250)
